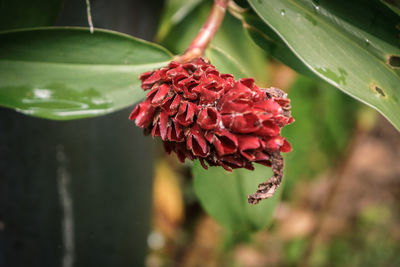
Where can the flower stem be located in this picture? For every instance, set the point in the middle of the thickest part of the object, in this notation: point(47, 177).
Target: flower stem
point(206, 33)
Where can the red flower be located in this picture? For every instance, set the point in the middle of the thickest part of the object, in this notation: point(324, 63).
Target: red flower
point(202, 114)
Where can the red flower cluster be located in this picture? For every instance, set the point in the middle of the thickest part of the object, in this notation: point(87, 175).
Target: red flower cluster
point(200, 113)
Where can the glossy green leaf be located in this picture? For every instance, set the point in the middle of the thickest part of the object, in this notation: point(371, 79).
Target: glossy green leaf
point(224, 196)
point(353, 45)
point(268, 40)
point(16, 14)
point(68, 73)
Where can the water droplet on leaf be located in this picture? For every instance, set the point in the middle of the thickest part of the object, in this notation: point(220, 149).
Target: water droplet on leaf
point(315, 5)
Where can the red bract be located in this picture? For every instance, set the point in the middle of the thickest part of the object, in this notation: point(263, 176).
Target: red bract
point(202, 114)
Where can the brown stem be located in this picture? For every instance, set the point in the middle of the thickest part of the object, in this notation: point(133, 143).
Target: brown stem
point(206, 33)
point(268, 188)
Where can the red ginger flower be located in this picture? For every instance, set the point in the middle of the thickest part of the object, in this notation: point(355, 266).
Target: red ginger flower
point(202, 114)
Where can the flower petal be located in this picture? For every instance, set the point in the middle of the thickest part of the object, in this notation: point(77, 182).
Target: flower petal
point(143, 114)
point(161, 94)
point(208, 118)
point(196, 142)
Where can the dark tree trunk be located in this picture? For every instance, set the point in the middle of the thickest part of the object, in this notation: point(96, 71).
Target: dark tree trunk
point(78, 193)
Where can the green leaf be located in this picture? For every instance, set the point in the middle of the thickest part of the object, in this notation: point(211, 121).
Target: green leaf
point(178, 36)
point(394, 5)
point(268, 40)
point(68, 73)
point(353, 45)
point(224, 196)
point(174, 12)
point(225, 62)
point(16, 14)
